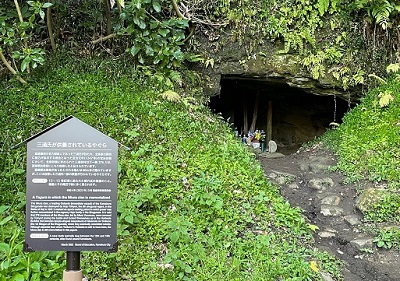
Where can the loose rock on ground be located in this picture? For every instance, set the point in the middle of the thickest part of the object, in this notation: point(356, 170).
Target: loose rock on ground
point(306, 182)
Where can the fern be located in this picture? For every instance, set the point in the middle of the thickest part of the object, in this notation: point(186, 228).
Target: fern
point(334, 4)
point(394, 67)
point(381, 12)
point(315, 64)
point(382, 81)
point(323, 6)
point(385, 98)
point(171, 96)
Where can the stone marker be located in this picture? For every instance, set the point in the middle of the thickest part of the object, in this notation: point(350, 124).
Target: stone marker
point(272, 147)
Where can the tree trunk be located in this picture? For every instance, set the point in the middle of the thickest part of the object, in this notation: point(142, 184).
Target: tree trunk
point(49, 21)
point(108, 16)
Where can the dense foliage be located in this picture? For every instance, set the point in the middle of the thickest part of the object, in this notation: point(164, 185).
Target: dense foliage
point(343, 39)
point(330, 35)
point(193, 202)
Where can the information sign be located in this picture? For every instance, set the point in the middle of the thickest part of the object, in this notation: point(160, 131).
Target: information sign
point(71, 189)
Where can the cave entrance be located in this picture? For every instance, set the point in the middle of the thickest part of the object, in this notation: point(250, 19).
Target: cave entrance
point(289, 116)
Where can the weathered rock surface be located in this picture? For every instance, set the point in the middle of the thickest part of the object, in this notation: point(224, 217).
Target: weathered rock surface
point(321, 184)
point(368, 198)
point(362, 243)
point(331, 211)
point(233, 60)
point(353, 220)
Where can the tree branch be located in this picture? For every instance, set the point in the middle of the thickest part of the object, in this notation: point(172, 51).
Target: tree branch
point(176, 9)
point(108, 16)
point(12, 70)
point(21, 19)
point(102, 39)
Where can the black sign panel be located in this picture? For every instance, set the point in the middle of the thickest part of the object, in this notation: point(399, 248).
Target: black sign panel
point(71, 189)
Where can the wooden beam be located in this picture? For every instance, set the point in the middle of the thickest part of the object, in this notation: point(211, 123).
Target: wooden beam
point(245, 119)
point(269, 122)
point(255, 113)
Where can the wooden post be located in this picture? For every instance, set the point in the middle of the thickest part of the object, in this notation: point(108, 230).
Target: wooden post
point(269, 122)
point(255, 113)
point(245, 119)
point(73, 271)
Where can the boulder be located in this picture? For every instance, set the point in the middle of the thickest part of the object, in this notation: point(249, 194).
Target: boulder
point(368, 198)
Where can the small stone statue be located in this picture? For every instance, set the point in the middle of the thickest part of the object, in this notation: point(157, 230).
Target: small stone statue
point(272, 147)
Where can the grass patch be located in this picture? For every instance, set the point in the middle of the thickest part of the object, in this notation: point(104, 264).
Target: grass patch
point(368, 148)
point(368, 141)
point(193, 203)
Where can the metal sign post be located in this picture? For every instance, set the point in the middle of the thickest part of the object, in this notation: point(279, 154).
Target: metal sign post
point(73, 271)
point(71, 194)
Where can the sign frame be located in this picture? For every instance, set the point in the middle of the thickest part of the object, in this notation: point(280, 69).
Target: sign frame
point(71, 196)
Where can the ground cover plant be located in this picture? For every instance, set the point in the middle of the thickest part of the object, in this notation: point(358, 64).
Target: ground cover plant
point(193, 202)
point(368, 146)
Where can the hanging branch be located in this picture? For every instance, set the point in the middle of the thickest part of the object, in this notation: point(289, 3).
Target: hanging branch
point(192, 18)
point(11, 69)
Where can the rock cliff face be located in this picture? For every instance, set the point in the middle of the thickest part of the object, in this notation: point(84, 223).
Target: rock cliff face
point(266, 64)
point(271, 90)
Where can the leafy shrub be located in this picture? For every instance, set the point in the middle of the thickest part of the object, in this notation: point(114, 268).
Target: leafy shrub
point(388, 238)
point(17, 265)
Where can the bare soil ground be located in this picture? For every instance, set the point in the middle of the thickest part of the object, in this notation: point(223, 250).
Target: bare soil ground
point(306, 182)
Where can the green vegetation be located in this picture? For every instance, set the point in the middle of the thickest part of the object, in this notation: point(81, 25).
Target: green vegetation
point(368, 146)
point(368, 141)
point(193, 203)
point(329, 35)
point(388, 238)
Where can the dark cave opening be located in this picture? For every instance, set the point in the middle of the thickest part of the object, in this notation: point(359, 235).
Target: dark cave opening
point(290, 116)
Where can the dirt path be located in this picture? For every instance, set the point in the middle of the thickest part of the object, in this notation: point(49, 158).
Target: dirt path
point(305, 181)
